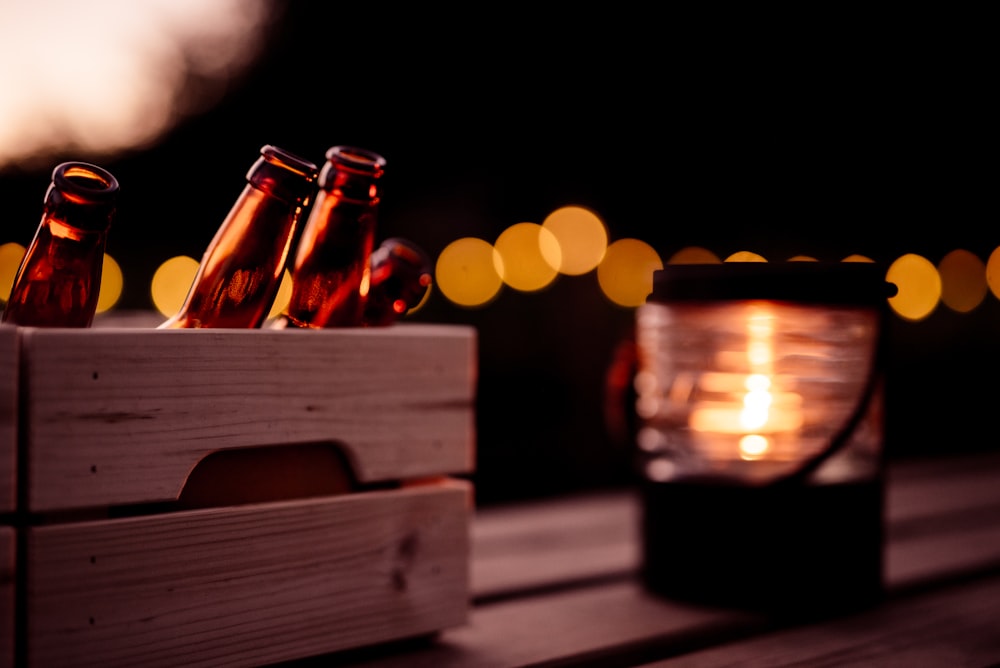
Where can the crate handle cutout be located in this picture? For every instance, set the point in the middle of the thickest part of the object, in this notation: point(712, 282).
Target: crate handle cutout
point(239, 476)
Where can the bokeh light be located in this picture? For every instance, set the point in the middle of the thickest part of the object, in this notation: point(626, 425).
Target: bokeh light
point(466, 272)
point(919, 286)
point(963, 280)
point(130, 86)
point(112, 283)
point(626, 272)
point(171, 282)
point(11, 255)
point(993, 272)
point(746, 256)
point(582, 239)
point(470, 272)
point(135, 85)
point(694, 255)
point(525, 251)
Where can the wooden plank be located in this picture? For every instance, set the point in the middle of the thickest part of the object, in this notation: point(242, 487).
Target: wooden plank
point(7, 575)
point(964, 545)
point(121, 416)
point(924, 486)
point(614, 624)
point(956, 626)
point(940, 517)
point(518, 548)
point(251, 585)
point(943, 518)
point(8, 417)
point(554, 580)
point(619, 624)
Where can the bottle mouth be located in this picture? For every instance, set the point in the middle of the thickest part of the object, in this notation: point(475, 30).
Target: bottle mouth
point(359, 159)
point(288, 160)
point(83, 181)
point(283, 174)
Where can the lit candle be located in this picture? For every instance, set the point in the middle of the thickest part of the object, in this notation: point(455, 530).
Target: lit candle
point(758, 398)
point(723, 385)
point(753, 405)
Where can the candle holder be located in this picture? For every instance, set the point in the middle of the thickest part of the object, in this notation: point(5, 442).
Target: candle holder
point(760, 435)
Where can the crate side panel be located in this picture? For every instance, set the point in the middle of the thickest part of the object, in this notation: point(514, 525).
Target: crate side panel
point(122, 416)
point(252, 585)
point(8, 417)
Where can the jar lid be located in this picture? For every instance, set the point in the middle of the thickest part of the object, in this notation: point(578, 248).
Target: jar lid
point(843, 283)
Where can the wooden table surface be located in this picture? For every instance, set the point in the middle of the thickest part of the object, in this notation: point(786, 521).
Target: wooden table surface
point(556, 583)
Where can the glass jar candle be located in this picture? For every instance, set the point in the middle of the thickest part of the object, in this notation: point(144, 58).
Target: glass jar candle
point(760, 433)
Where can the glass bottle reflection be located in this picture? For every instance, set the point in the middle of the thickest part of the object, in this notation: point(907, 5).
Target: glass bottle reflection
point(59, 279)
point(241, 270)
point(330, 275)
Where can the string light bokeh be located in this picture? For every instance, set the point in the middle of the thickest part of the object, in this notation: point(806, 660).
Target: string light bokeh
point(527, 257)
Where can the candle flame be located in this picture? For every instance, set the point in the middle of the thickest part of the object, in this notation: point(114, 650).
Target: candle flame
point(750, 404)
point(754, 446)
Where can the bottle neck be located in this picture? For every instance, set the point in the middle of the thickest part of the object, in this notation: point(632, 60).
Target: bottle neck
point(59, 280)
point(241, 270)
point(331, 274)
point(82, 196)
point(353, 174)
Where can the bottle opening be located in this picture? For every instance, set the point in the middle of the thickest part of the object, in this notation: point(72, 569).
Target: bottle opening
point(357, 158)
point(85, 180)
point(280, 156)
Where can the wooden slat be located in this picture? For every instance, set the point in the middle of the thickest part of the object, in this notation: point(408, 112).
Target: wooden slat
point(8, 417)
point(588, 624)
point(956, 626)
point(555, 581)
point(943, 518)
point(251, 585)
point(524, 547)
point(926, 486)
point(945, 501)
point(120, 416)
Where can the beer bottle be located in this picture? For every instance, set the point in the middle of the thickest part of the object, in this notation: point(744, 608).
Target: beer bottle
point(330, 274)
point(241, 269)
point(400, 280)
point(59, 279)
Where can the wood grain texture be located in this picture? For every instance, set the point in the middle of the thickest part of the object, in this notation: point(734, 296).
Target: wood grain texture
point(588, 626)
point(555, 584)
point(118, 416)
point(520, 548)
point(251, 585)
point(8, 417)
point(955, 627)
point(941, 517)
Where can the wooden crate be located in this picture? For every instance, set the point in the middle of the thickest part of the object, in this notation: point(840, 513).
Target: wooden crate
point(108, 558)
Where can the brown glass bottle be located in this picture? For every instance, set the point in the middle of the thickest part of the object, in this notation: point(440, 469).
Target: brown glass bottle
point(330, 275)
point(400, 279)
point(241, 270)
point(59, 279)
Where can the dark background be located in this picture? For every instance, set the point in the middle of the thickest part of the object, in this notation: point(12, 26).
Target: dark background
point(777, 133)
